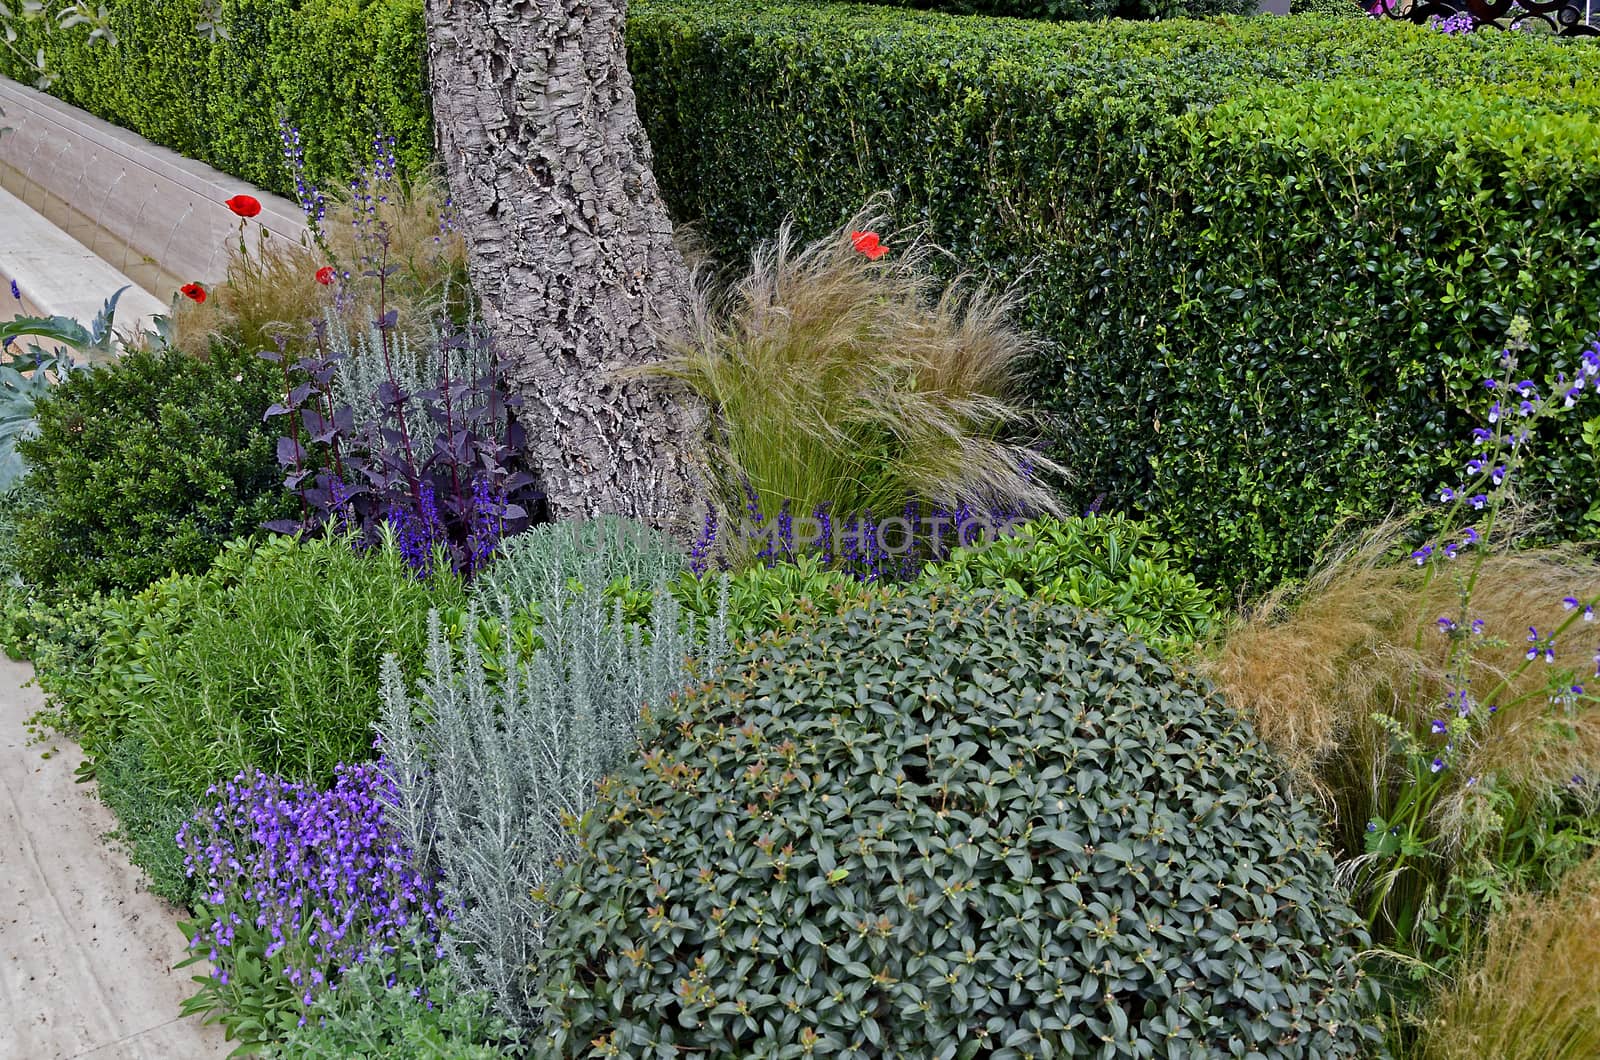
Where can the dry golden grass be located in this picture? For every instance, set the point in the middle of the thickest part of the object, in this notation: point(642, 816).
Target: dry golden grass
point(860, 383)
point(1311, 666)
point(1533, 990)
point(272, 291)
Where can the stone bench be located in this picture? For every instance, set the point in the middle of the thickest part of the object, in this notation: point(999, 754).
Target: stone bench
point(155, 216)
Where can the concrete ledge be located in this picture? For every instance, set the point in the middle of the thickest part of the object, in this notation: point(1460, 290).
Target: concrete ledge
point(155, 215)
point(58, 276)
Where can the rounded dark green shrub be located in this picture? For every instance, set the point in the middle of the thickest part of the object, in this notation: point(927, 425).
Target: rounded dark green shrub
point(954, 829)
point(145, 466)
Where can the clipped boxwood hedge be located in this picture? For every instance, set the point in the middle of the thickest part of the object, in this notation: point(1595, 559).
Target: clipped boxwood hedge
point(341, 70)
point(1083, 10)
point(954, 829)
point(1274, 254)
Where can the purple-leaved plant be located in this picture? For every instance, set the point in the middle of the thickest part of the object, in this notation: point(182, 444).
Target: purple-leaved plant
point(453, 487)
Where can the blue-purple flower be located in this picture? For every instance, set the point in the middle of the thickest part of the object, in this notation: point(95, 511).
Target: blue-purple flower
point(309, 881)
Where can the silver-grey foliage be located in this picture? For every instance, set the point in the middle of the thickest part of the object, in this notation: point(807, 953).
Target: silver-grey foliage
point(364, 367)
point(491, 770)
point(535, 566)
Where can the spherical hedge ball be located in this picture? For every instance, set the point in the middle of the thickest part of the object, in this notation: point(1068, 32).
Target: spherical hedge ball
point(954, 829)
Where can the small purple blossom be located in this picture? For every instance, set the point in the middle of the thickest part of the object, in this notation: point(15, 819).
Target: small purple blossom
point(1437, 765)
point(1438, 727)
point(1421, 555)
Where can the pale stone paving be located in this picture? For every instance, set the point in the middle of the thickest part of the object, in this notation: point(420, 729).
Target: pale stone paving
point(86, 952)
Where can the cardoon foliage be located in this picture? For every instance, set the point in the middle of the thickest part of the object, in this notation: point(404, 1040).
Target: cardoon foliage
point(299, 885)
point(489, 771)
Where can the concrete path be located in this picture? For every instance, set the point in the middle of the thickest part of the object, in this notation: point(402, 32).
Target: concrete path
point(86, 953)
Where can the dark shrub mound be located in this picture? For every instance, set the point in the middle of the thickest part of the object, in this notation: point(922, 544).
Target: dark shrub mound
point(954, 829)
point(145, 466)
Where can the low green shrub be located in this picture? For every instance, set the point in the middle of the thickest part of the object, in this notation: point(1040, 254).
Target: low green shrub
point(763, 600)
point(149, 813)
point(1109, 564)
point(939, 828)
point(1113, 565)
point(146, 466)
point(273, 662)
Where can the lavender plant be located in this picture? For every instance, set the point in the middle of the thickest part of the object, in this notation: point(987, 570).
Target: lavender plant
point(298, 886)
point(869, 546)
point(1405, 844)
point(542, 563)
point(490, 769)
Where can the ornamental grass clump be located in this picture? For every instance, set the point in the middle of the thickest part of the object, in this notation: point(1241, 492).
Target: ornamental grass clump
point(941, 828)
point(1531, 990)
point(297, 886)
point(384, 245)
point(844, 377)
point(1445, 704)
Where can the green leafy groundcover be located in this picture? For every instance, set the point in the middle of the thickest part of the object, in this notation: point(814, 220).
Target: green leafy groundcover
point(1274, 255)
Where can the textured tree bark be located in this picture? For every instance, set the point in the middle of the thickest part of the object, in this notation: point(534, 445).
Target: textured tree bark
point(571, 250)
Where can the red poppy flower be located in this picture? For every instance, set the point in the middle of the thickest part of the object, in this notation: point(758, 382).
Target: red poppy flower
point(244, 205)
point(325, 275)
point(193, 291)
point(867, 243)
